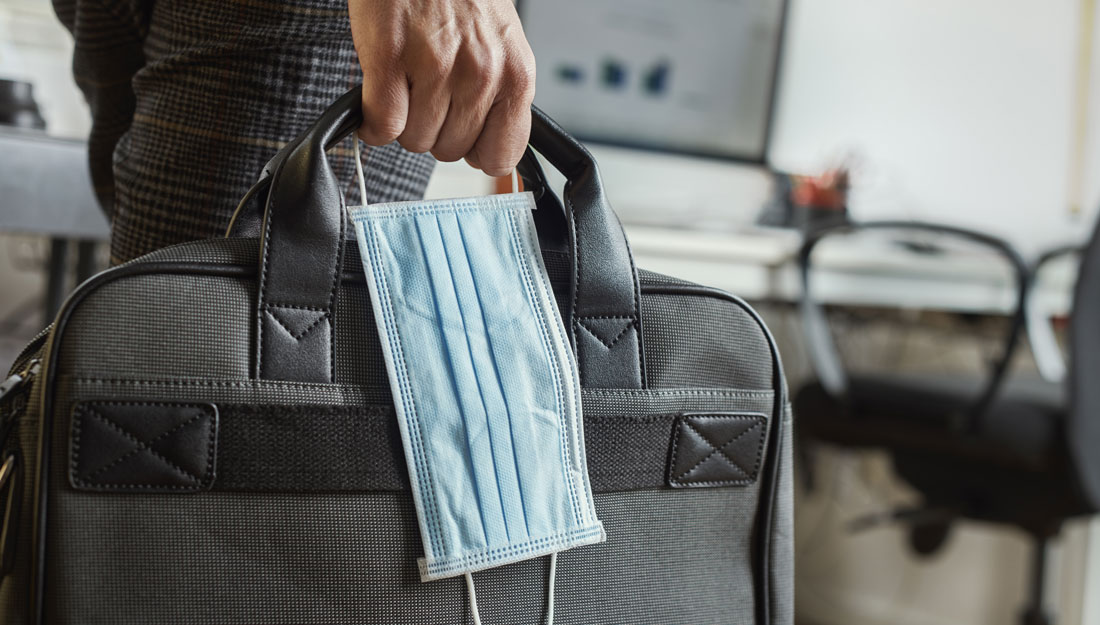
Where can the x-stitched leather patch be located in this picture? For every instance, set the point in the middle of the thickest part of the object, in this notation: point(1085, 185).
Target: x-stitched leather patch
point(128, 446)
point(716, 450)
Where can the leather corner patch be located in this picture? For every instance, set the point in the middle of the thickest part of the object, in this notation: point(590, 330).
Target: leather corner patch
point(711, 450)
point(136, 446)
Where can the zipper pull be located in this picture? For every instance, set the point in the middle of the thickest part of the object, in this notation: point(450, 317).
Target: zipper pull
point(21, 379)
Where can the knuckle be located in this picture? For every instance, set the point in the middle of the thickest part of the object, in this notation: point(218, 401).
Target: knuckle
point(482, 81)
point(522, 80)
point(479, 71)
point(434, 63)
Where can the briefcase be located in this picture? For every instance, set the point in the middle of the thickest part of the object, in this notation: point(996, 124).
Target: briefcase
point(206, 435)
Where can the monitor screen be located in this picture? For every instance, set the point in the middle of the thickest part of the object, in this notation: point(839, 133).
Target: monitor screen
point(691, 76)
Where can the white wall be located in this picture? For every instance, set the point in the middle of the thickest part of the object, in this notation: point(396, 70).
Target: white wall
point(961, 111)
point(35, 47)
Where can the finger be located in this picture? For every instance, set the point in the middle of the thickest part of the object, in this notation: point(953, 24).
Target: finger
point(385, 108)
point(475, 83)
point(503, 139)
point(429, 101)
point(507, 127)
point(460, 130)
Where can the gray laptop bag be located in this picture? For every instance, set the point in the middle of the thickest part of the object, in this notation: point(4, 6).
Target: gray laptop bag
point(169, 457)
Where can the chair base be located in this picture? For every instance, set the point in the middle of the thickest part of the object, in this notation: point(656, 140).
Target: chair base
point(1036, 617)
point(1035, 613)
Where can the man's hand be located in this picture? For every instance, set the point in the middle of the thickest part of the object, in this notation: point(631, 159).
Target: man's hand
point(453, 77)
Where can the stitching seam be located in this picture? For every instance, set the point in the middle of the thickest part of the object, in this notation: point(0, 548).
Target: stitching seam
point(718, 449)
point(676, 447)
point(606, 344)
point(199, 480)
point(303, 333)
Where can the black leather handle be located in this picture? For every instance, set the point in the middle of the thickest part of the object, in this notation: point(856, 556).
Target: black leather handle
point(302, 242)
point(605, 323)
point(301, 253)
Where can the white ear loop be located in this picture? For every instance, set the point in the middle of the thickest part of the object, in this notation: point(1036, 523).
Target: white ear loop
point(549, 592)
point(473, 598)
point(515, 181)
point(359, 173)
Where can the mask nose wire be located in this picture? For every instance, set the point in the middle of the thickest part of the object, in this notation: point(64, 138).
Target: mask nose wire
point(549, 592)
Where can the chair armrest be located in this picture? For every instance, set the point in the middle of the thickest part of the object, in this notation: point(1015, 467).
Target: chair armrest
point(1049, 358)
point(823, 354)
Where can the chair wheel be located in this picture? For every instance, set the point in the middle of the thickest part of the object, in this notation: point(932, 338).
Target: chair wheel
point(1036, 617)
point(927, 538)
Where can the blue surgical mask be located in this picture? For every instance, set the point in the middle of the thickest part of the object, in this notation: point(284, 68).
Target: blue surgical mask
point(484, 381)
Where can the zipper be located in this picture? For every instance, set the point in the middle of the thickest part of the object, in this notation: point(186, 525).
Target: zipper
point(11, 393)
point(30, 349)
point(24, 377)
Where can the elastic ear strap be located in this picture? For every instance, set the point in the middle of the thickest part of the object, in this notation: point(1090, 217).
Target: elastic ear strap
point(359, 172)
point(473, 599)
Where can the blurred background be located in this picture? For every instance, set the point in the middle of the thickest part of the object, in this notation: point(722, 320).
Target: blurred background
point(758, 146)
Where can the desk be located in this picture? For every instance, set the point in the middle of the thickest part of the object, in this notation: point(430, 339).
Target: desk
point(760, 264)
point(45, 189)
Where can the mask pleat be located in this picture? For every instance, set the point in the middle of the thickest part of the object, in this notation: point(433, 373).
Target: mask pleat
point(482, 327)
point(558, 505)
point(531, 400)
point(463, 378)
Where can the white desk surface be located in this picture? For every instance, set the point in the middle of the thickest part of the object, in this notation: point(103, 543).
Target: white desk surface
point(760, 264)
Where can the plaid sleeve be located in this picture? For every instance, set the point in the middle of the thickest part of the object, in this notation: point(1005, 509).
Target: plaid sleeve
point(191, 97)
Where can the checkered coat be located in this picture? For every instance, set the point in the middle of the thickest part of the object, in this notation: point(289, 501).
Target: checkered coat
point(190, 98)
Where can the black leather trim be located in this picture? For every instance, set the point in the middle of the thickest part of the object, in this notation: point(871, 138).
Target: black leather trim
point(716, 449)
point(143, 446)
point(551, 222)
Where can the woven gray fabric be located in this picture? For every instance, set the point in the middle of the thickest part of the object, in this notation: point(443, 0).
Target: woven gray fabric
point(190, 99)
point(684, 348)
point(201, 335)
point(671, 557)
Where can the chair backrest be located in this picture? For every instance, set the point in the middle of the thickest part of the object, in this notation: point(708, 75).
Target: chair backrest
point(1083, 426)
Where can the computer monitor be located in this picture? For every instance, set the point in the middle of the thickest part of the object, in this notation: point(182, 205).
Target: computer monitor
point(687, 76)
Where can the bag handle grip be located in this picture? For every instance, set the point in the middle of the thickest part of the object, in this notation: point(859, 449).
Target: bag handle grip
point(302, 237)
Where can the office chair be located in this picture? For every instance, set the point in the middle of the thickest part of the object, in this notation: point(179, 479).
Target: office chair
point(1006, 449)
